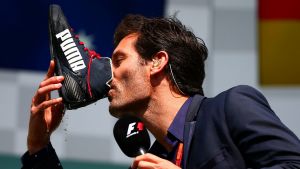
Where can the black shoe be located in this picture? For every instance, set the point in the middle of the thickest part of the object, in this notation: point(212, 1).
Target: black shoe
point(87, 75)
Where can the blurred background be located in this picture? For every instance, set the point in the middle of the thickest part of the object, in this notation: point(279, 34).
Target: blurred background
point(251, 42)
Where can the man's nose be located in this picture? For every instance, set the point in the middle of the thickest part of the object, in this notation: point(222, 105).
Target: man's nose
point(112, 74)
point(113, 70)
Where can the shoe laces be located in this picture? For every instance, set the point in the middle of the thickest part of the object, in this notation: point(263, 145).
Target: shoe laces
point(92, 54)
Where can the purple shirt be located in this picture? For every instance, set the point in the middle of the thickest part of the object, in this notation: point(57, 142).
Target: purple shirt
point(175, 131)
point(174, 136)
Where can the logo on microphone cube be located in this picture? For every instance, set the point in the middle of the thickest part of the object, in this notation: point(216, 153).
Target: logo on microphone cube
point(134, 128)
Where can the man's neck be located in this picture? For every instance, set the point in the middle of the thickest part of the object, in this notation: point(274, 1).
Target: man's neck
point(161, 112)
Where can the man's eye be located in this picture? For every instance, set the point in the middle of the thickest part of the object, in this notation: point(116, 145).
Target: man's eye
point(117, 62)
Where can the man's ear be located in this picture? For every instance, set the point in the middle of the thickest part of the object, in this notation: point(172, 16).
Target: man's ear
point(159, 61)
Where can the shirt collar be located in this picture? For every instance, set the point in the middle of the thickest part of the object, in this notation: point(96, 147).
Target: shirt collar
point(175, 131)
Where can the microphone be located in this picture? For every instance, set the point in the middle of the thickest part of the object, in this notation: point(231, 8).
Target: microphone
point(131, 136)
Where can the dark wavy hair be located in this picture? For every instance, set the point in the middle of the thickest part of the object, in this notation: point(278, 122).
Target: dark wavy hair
point(187, 53)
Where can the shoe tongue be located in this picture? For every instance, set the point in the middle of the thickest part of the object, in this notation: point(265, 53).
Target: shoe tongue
point(100, 75)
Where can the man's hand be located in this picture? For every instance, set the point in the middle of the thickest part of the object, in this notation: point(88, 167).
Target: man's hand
point(46, 113)
point(150, 161)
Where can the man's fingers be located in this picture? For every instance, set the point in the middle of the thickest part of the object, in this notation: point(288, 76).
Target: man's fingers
point(145, 165)
point(149, 158)
point(45, 104)
point(141, 164)
point(43, 92)
point(51, 69)
point(51, 80)
point(148, 161)
point(46, 89)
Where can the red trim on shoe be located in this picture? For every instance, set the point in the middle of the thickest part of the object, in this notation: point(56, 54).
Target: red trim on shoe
point(92, 55)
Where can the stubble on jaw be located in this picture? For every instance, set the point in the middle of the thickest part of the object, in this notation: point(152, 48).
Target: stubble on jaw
point(136, 108)
point(120, 106)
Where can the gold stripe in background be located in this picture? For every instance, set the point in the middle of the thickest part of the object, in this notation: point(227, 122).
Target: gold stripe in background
point(279, 50)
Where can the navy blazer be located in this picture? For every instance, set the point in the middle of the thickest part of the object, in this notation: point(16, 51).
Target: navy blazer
point(237, 129)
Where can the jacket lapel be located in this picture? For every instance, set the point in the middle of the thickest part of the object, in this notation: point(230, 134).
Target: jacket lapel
point(189, 126)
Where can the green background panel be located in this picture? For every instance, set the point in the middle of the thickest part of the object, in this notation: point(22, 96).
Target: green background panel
point(13, 162)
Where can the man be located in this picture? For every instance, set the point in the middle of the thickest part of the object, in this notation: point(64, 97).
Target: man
point(158, 67)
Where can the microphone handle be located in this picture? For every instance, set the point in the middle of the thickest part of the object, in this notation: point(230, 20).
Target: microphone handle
point(142, 151)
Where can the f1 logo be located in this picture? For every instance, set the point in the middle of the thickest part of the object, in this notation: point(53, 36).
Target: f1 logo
point(134, 128)
point(130, 128)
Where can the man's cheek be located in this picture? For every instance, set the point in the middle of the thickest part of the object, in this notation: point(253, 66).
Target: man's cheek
point(127, 81)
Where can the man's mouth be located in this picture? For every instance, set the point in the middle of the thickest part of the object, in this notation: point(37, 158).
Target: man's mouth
point(110, 93)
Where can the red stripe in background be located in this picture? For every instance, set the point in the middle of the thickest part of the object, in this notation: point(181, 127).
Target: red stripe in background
point(279, 9)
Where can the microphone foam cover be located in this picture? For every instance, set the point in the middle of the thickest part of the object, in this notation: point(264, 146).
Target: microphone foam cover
point(131, 136)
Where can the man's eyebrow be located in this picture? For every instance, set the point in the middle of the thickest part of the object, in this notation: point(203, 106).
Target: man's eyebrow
point(118, 53)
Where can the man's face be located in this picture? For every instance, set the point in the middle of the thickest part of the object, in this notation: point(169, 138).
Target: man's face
point(130, 87)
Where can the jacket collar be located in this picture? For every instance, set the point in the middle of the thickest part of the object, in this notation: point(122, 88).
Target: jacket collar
point(189, 126)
